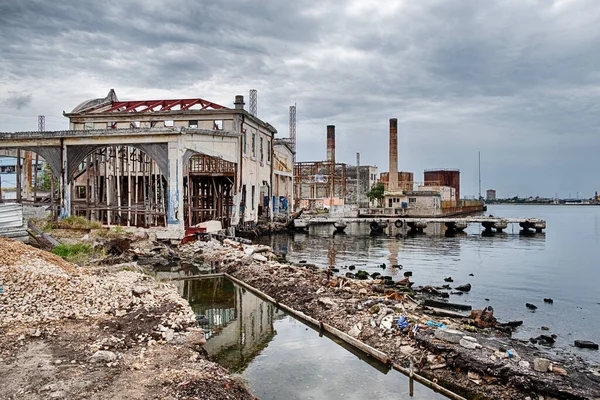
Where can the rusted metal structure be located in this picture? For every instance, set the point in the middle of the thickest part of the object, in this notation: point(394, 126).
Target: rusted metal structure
point(319, 183)
point(209, 187)
point(405, 180)
point(444, 177)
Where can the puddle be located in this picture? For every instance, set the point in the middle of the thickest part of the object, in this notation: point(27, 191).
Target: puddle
point(281, 357)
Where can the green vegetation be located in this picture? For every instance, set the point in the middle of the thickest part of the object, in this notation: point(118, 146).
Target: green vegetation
point(376, 192)
point(69, 250)
point(79, 253)
point(74, 223)
point(45, 177)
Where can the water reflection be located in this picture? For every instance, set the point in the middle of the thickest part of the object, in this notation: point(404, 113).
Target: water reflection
point(237, 323)
point(281, 357)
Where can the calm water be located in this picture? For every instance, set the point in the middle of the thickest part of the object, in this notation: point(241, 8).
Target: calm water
point(509, 269)
point(280, 357)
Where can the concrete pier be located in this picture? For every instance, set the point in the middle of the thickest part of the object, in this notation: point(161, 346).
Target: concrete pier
point(490, 224)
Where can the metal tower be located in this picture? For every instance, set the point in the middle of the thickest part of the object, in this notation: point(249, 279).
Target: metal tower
point(293, 127)
point(253, 102)
point(41, 123)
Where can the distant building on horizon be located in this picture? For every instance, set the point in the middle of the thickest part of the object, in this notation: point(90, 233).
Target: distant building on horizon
point(490, 194)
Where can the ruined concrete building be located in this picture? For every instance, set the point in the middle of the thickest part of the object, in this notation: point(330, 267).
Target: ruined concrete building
point(163, 163)
point(319, 184)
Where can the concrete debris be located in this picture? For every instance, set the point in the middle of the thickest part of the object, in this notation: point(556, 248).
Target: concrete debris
point(382, 313)
point(541, 364)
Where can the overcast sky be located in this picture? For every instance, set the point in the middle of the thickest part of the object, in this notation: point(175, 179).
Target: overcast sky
point(517, 80)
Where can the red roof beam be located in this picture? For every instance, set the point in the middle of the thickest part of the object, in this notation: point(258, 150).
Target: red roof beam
point(150, 105)
point(189, 104)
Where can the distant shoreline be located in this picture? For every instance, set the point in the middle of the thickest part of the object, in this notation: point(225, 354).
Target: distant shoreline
point(529, 203)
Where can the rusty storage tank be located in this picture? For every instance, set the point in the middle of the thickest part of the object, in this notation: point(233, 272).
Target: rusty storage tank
point(444, 177)
point(405, 180)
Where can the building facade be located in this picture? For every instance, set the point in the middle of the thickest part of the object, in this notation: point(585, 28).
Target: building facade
point(226, 173)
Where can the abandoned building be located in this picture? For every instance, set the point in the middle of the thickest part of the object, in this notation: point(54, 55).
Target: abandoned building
point(437, 195)
point(283, 178)
point(357, 188)
point(320, 184)
point(163, 163)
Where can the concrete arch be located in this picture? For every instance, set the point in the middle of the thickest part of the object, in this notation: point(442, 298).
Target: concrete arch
point(49, 153)
point(157, 151)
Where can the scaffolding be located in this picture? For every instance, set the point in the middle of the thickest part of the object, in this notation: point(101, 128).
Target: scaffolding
point(317, 183)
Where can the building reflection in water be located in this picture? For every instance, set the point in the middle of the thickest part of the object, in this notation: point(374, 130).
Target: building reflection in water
point(238, 324)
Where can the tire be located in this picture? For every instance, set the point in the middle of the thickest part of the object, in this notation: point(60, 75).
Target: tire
point(398, 223)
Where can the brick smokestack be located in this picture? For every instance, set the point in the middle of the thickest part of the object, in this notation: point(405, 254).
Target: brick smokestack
point(393, 173)
point(331, 143)
point(239, 102)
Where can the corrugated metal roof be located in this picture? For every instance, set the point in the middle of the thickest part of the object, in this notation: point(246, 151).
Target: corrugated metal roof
point(11, 215)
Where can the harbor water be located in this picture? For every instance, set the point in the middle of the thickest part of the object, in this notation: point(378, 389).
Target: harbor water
point(506, 270)
point(282, 358)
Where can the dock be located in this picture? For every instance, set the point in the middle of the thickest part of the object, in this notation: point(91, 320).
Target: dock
point(490, 224)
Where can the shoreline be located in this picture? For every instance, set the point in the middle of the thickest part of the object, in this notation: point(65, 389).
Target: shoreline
point(348, 305)
point(366, 310)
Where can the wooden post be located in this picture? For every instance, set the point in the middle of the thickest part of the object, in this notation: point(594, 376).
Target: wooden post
point(35, 175)
point(18, 177)
point(27, 175)
point(128, 186)
point(135, 173)
point(118, 181)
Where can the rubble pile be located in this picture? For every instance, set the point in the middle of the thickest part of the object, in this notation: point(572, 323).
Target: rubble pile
point(71, 331)
point(40, 287)
point(438, 342)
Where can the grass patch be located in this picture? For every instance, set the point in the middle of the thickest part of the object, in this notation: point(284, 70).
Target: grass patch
point(73, 222)
point(68, 250)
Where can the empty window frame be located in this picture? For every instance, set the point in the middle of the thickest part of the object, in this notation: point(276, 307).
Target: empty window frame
point(262, 150)
point(218, 124)
point(244, 142)
point(253, 196)
point(193, 123)
point(268, 151)
point(253, 144)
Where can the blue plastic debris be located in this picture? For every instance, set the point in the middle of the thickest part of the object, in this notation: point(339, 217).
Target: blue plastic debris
point(510, 354)
point(438, 324)
point(402, 322)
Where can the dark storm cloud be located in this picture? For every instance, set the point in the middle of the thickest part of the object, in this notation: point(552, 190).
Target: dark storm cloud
point(516, 80)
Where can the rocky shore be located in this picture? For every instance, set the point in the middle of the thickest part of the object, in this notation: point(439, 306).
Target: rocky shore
point(98, 333)
point(472, 354)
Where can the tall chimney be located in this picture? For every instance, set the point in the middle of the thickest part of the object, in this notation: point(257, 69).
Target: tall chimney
point(331, 143)
point(393, 173)
point(239, 102)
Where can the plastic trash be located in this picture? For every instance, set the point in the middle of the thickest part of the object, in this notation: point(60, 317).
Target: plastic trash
point(510, 354)
point(402, 322)
point(437, 324)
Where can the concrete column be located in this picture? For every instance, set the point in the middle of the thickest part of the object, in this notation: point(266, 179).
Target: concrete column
point(65, 184)
point(175, 188)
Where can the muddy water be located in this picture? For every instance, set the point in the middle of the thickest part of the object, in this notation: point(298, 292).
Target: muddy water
point(508, 269)
point(281, 357)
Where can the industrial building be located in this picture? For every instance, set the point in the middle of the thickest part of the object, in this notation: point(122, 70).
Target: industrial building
point(490, 195)
point(322, 184)
point(166, 163)
point(437, 195)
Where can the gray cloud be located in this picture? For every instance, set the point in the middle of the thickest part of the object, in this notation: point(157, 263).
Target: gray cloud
point(17, 100)
point(515, 80)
